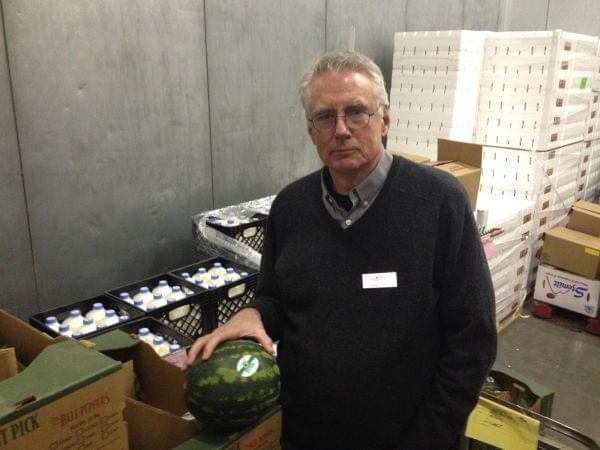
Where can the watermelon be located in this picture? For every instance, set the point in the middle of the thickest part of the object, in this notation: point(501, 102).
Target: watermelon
point(235, 387)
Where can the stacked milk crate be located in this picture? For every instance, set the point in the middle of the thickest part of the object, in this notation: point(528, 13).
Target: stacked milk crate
point(534, 100)
point(435, 86)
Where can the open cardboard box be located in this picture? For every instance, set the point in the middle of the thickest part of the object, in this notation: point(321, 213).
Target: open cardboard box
point(66, 395)
point(463, 160)
point(585, 217)
point(522, 390)
point(155, 418)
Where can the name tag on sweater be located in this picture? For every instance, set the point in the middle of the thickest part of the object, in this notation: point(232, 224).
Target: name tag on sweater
point(379, 280)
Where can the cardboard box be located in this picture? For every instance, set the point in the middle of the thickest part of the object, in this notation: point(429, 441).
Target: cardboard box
point(585, 217)
point(572, 251)
point(414, 158)
point(462, 160)
point(568, 291)
point(522, 390)
point(26, 341)
point(160, 383)
point(263, 436)
point(155, 422)
point(154, 429)
point(69, 396)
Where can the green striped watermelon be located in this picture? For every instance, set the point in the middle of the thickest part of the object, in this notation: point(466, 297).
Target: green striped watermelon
point(235, 387)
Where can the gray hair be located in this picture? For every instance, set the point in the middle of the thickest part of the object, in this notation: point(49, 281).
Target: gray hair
point(339, 62)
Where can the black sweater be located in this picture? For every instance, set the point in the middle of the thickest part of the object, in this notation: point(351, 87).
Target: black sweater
point(378, 368)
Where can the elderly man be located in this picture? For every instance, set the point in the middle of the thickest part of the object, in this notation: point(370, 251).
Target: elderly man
point(374, 280)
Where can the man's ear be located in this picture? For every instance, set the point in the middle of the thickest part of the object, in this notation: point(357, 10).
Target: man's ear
point(385, 123)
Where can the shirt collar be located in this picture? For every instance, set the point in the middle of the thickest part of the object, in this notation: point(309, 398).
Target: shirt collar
point(368, 189)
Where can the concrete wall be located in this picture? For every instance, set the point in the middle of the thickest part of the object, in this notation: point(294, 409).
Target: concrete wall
point(129, 116)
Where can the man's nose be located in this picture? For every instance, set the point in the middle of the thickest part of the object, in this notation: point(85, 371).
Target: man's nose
point(341, 129)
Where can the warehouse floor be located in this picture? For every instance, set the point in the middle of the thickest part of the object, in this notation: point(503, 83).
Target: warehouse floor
point(564, 360)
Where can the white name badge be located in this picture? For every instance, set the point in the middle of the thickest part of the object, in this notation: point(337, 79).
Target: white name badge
point(379, 280)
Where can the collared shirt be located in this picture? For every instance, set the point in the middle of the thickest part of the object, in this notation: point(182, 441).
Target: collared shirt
point(362, 196)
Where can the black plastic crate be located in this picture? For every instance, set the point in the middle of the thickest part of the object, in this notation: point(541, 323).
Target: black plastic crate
point(191, 316)
point(252, 233)
point(151, 283)
point(169, 334)
point(226, 300)
point(62, 312)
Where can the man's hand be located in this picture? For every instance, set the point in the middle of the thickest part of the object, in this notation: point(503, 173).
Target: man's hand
point(245, 324)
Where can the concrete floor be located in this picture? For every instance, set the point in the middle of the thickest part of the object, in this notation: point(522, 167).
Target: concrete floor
point(561, 359)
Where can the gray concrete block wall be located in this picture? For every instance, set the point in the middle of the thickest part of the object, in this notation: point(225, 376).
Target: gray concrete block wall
point(133, 115)
point(17, 282)
point(111, 103)
point(257, 52)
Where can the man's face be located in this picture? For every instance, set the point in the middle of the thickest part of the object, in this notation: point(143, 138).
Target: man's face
point(343, 150)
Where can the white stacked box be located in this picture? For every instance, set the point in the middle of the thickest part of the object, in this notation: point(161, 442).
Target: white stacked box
point(592, 177)
point(435, 87)
point(507, 248)
point(549, 179)
point(535, 89)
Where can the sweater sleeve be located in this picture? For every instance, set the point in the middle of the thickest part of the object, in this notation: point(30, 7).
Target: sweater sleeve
point(467, 329)
point(267, 293)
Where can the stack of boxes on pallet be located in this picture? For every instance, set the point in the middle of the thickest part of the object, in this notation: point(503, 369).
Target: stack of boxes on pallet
point(435, 86)
point(535, 115)
point(569, 275)
point(534, 106)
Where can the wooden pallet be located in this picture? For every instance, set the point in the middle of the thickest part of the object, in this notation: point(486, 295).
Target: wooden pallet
point(514, 315)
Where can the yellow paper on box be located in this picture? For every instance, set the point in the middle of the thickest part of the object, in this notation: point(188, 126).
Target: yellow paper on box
point(502, 427)
point(592, 251)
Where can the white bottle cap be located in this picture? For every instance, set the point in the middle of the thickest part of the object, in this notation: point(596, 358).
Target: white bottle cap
point(144, 289)
point(144, 331)
point(138, 302)
point(163, 283)
point(230, 221)
point(214, 276)
point(124, 295)
point(63, 328)
point(110, 313)
point(211, 287)
point(75, 313)
point(150, 308)
point(243, 274)
point(230, 270)
point(176, 288)
point(227, 280)
point(98, 306)
point(51, 320)
point(201, 270)
point(174, 347)
point(123, 318)
point(185, 275)
point(158, 296)
point(87, 321)
point(77, 334)
point(170, 301)
point(198, 282)
point(217, 265)
point(158, 340)
point(100, 325)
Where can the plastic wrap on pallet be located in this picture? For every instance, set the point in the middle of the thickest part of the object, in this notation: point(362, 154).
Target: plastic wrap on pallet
point(213, 242)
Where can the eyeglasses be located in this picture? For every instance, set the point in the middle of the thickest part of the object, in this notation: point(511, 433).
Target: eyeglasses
point(355, 118)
